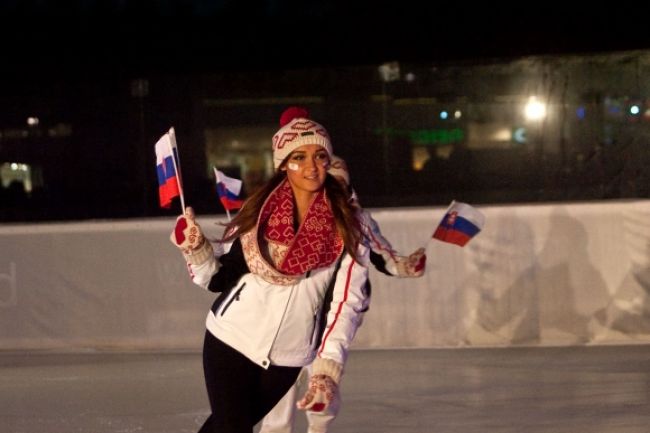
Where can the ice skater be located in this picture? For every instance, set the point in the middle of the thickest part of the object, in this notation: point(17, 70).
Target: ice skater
point(296, 257)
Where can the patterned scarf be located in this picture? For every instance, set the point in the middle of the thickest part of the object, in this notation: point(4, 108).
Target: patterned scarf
point(315, 244)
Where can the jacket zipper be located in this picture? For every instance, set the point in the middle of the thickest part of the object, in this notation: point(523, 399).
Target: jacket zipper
point(235, 297)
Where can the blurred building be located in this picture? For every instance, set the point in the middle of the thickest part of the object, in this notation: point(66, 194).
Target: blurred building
point(528, 129)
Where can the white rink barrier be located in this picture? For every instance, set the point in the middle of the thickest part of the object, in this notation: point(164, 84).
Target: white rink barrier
point(551, 274)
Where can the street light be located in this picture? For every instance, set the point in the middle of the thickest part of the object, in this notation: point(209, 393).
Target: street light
point(534, 109)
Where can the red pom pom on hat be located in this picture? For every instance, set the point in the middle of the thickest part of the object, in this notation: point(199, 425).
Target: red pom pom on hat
point(293, 113)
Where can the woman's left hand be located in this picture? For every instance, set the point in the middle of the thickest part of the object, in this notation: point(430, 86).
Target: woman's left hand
point(320, 393)
point(413, 265)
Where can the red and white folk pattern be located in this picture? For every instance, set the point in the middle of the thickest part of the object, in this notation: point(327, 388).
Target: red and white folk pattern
point(280, 140)
point(295, 129)
point(316, 244)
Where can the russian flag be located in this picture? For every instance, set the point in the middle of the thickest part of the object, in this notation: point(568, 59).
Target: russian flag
point(228, 189)
point(166, 169)
point(460, 224)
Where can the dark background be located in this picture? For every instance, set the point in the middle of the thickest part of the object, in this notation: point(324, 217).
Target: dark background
point(111, 36)
point(75, 63)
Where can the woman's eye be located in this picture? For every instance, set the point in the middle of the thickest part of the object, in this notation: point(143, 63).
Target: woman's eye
point(298, 157)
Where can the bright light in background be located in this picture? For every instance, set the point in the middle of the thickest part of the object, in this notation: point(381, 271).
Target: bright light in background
point(519, 135)
point(635, 110)
point(501, 134)
point(15, 172)
point(18, 167)
point(457, 114)
point(444, 114)
point(535, 110)
point(32, 121)
point(389, 72)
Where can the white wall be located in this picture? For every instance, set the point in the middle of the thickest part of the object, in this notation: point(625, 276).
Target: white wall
point(540, 274)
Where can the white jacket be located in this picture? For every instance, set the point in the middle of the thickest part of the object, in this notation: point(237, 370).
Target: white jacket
point(273, 324)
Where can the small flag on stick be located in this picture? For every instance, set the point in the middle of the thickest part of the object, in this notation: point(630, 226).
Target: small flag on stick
point(228, 189)
point(168, 170)
point(460, 224)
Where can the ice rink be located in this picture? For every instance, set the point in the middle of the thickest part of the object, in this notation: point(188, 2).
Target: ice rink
point(572, 389)
point(541, 324)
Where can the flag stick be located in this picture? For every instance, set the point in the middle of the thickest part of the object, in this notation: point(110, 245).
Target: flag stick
point(177, 166)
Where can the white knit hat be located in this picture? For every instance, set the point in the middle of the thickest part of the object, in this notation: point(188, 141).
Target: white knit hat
point(338, 168)
point(296, 129)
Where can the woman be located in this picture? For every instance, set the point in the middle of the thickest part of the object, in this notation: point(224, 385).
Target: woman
point(296, 262)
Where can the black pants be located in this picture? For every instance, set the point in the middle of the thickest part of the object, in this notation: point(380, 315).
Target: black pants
point(241, 392)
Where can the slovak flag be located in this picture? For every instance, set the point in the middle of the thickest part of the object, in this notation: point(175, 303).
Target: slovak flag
point(460, 224)
point(167, 168)
point(228, 189)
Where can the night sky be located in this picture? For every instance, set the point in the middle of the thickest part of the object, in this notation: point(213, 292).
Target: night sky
point(78, 37)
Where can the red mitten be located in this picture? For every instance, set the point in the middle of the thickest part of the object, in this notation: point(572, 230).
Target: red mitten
point(413, 265)
point(188, 237)
point(323, 385)
point(320, 393)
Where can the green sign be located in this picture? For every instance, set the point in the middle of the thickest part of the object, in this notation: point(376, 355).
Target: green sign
point(426, 137)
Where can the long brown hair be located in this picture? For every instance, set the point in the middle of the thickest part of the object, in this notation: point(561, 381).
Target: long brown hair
point(345, 214)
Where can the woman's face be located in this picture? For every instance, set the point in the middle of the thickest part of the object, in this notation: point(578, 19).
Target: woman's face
point(306, 167)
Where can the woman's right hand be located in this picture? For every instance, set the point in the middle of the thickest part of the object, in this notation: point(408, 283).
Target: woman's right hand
point(187, 234)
